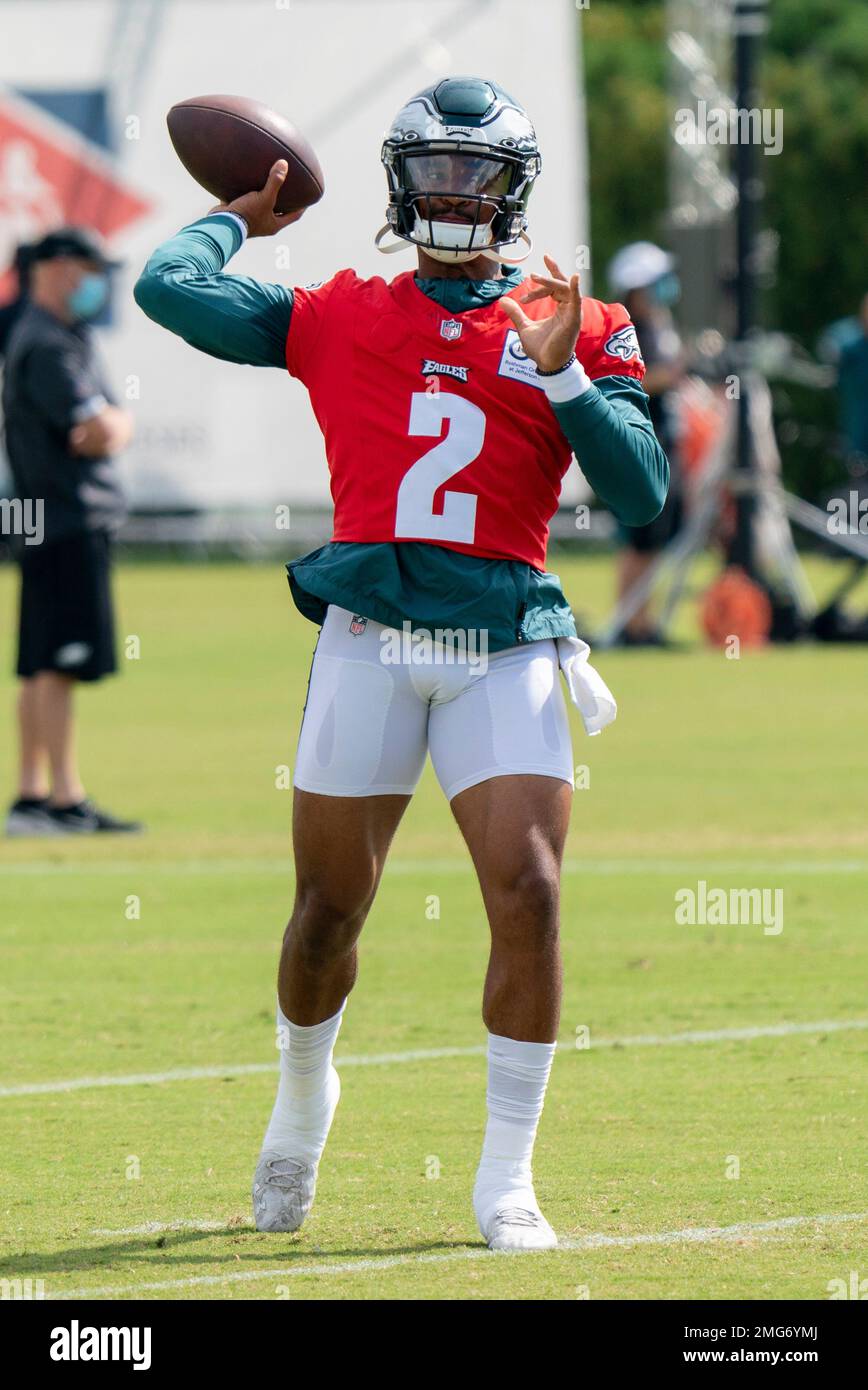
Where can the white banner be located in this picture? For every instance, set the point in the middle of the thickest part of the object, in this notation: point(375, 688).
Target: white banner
point(209, 433)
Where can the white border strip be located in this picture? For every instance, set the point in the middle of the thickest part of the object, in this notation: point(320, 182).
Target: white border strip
point(691, 1235)
point(431, 1054)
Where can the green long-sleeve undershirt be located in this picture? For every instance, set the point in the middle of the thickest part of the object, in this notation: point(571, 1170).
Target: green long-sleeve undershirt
point(238, 319)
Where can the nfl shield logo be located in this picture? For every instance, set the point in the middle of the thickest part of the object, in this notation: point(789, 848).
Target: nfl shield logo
point(451, 329)
point(358, 625)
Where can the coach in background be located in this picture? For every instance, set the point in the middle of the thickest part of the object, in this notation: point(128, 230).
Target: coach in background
point(62, 435)
point(643, 277)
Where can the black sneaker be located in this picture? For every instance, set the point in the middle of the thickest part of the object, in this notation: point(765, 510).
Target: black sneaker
point(29, 816)
point(87, 819)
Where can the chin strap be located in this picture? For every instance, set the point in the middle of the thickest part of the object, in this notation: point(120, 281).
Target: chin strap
point(515, 260)
point(394, 246)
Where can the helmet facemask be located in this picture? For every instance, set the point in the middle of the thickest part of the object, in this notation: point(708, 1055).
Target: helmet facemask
point(454, 202)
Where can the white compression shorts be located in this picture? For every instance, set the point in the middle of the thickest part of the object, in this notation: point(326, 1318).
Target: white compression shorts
point(378, 701)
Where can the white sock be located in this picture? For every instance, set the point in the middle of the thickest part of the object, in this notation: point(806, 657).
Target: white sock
point(308, 1090)
point(518, 1074)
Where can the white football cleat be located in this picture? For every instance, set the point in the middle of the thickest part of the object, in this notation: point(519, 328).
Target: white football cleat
point(511, 1227)
point(283, 1186)
point(283, 1192)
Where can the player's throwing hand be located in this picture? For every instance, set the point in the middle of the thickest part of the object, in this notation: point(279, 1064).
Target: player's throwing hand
point(257, 208)
point(549, 342)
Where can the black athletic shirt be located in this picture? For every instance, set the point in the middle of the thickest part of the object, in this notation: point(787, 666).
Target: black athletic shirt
point(53, 381)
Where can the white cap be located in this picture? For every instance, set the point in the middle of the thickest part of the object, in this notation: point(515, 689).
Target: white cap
point(637, 266)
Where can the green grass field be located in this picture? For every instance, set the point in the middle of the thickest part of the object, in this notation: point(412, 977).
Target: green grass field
point(748, 773)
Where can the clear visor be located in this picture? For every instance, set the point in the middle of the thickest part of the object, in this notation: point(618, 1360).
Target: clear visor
point(457, 174)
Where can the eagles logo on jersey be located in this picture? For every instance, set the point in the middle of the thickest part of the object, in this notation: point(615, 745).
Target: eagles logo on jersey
point(625, 344)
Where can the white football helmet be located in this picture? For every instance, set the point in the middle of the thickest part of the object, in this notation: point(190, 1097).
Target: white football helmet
point(461, 158)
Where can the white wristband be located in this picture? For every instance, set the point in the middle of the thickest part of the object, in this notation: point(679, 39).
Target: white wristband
point(239, 222)
point(567, 385)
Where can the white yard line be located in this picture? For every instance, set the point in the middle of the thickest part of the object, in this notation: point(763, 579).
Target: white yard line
point(155, 1228)
point(703, 865)
point(431, 1054)
point(692, 1235)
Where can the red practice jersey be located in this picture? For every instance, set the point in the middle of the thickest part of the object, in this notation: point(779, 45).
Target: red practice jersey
point(437, 427)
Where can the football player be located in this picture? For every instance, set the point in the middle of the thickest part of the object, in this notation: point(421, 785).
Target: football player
point(451, 399)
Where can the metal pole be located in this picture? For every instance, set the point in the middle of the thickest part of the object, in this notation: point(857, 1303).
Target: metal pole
point(749, 22)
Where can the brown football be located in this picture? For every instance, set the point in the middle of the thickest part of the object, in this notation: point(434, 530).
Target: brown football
point(229, 144)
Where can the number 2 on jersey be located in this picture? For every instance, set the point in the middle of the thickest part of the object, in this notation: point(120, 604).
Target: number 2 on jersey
point(463, 443)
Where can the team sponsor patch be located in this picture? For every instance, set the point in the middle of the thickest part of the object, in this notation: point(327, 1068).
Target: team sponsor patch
point(432, 368)
point(358, 625)
point(624, 344)
point(515, 363)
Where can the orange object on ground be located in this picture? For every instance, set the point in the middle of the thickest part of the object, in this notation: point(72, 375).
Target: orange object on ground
point(734, 606)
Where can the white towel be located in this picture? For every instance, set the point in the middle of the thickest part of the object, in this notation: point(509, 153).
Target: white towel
point(588, 691)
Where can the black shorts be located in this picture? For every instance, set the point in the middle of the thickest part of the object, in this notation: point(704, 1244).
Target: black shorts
point(657, 533)
point(66, 618)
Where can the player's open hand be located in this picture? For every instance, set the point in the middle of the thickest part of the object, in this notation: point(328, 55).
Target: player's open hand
point(257, 209)
point(550, 342)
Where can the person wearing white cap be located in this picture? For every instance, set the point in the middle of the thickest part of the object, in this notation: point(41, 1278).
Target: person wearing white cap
point(643, 277)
